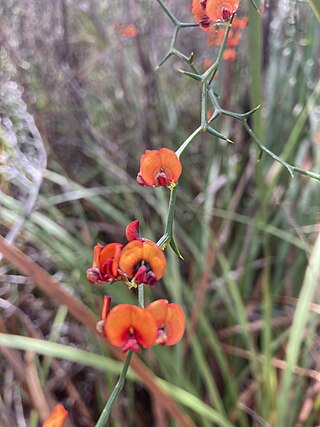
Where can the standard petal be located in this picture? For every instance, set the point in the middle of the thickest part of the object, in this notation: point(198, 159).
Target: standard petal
point(175, 324)
point(150, 164)
point(153, 255)
point(218, 9)
point(171, 164)
point(170, 321)
point(131, 254)
point(127, 322)
point(118, 323)
point(158, 309)
point(144, 325)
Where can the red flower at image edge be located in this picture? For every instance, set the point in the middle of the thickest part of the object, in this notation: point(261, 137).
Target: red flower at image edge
point(221, 10)
point(130, 327)
point(207, 12)
point(57, 417)
point(105, 264)
point(170, 321)
point(159, 168)
point(143, 261)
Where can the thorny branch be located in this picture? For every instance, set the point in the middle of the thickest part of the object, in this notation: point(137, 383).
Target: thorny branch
point(208, 93)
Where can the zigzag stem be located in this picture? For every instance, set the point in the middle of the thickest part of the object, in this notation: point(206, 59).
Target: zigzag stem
point(207, 91)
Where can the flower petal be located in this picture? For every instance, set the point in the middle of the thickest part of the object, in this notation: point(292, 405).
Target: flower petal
point(125, 321)
point(145, 327)
point(105, 307)
point(171, 164)
point(159, 168)
point(150, 164)
point(158, 309)
point(132, 231)
point(221, 10)
point(131, 254)
point(96, 255)
point(170, 319)
point(118, 323)
point(57, 417)
point(155, 257)
point(109, 251)
point(175, 323)
point(200, 15)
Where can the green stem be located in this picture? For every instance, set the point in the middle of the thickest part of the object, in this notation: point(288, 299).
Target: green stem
point(310, 174)
point(105, 414)
point(266, 150)
point(167, 236)
point(218, 110)
point(172, 203)
point(174, 38)
point(188, 140)
point(204, 113)
point(141, 295)
point(172, 18)
point(188, 24)
point(215, 65)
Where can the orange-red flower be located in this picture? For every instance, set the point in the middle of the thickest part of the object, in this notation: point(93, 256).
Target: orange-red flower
point(240, 23)
point(207, 12)
point(170, 321)
point(105, 264)
point(127, 31)
point(130, 327)
point(143, 261)
point(229, 54)
point(159, 168)
point(57, 417)
point(221, 10)
point(200, 15)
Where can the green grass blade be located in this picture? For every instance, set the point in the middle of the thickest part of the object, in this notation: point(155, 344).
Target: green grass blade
point(297, 333)
point(61, 351)
point(315, 6)
point(193, 402)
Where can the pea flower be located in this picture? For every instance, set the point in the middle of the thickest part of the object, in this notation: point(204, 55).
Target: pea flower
point(207, 12)
point(200, 14)
point(57, 417)
point(221, 10)
point(170, 321)
point(159, 168)
point(105, 264)
point(130, 327)
point(143, 261)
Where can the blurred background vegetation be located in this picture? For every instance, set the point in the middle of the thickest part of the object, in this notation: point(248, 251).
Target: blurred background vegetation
point(80, 101)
